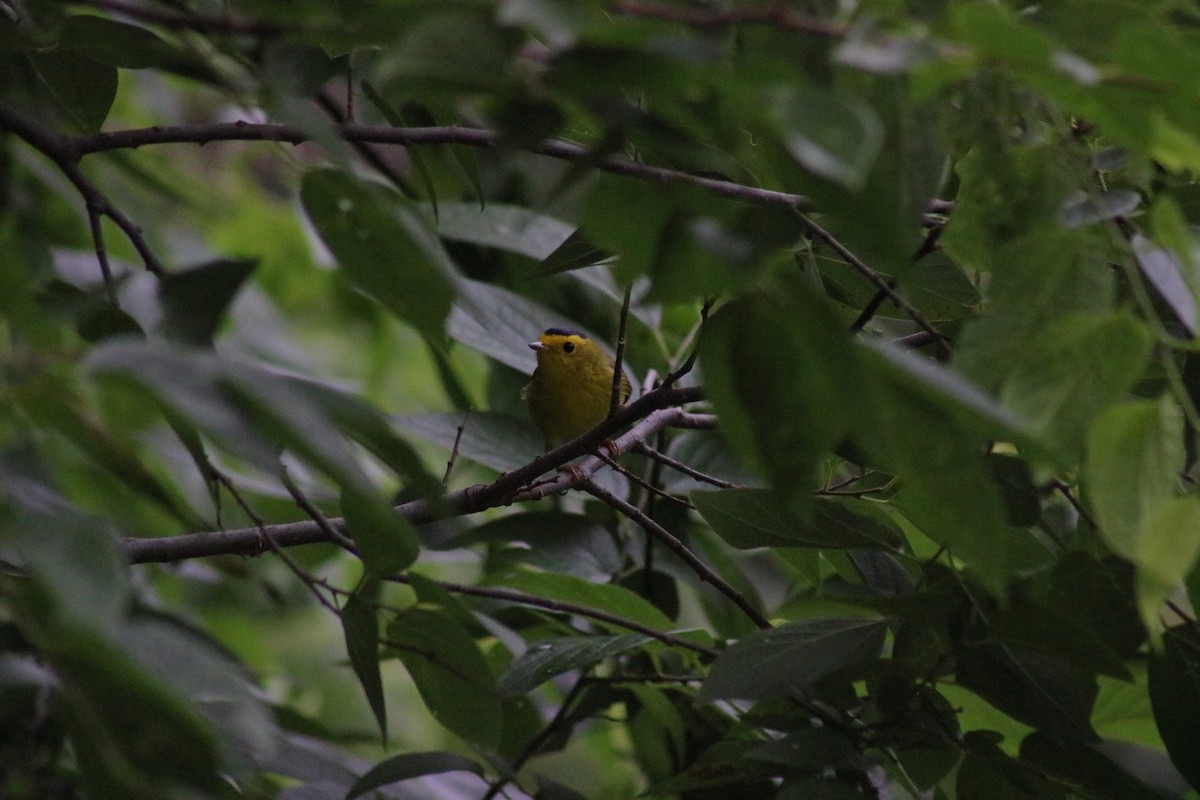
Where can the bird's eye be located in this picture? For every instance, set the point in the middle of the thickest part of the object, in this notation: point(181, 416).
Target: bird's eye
point(568, 347)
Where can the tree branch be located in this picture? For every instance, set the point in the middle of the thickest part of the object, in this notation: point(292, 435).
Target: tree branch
point(63, 151)
point(653, 411)
point(660, 533)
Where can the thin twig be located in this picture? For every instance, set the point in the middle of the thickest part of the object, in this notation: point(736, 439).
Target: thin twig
point(502, 594)
point(642, 482)
point(618, 361)
point(310, 581)
point(878, 281)
point(538, 742)
point(679, 466)
point(333, 534)
point(674, 376)
point(777, 15)
point(679, 548)
point(454, 451)
point(63, 152)
point(449, 134)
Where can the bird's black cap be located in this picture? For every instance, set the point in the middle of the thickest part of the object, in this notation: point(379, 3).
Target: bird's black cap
point(564, 332)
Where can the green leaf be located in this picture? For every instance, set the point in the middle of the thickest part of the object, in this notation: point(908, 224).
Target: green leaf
point(514, 229)
point(1047, 630)
point(792, 657)
point(747, 518)
point(450, 673)
point(551, 541)
point(1085, 209)
point(1135, 453)
point(1166, 551)
point(780, 373)
point(70, 89)
point(384, 245)
point(1087, 767)
point(386, 541)
point(1083, 364)
point(194, 301)
point(493, 440)
point(611, 599)
point(360, 626)
point(543, 660)
point(71, 554)
point(836, 136)
point(1175, 696)
point(411, 765)
point(1041, 691)
point(500, 323)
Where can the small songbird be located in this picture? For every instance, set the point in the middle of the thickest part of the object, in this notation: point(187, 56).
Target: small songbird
point(571, 388)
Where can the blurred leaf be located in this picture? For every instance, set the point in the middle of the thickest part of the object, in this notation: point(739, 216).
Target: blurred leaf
point(836, 136)
point(385, 247)
point(511, 228)
point(1083, 364)
point(73, 555)
point(569, 589)
point(118, 44)
point(543, 660)
point(792, 657)
point(450, 673)
point(1084, 209)
point(1165, 273)
point(94, 317)
point(387, 542)
point(493, 440)
point(360, 627)
point(748, 518)
point(1135, 453)
point(458, 46)
point(1166, 552)
point(1021, 498)
point(1175, 695)
point(723, 764)
point(411, 765)
point(194, 301)
point(779, 371)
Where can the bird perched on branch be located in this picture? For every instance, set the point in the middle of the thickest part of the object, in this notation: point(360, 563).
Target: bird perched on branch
point(571, 388)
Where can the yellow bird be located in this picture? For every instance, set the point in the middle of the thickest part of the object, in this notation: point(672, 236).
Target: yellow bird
point(572, 385)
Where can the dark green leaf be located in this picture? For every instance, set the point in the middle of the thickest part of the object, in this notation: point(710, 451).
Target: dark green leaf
point(836, 136)
point(1088, 209)
point(1084, 766)
point(612, 599)
point(386, 541)
point(194, 301)
point(385, 247)
point(411, 765)
point(360, 627)
point(1043, 692)
point(792, 657)
point(1175, 695)
point(450, 673)
point(543, 660)
point(748, 518)
point(552, 541)
point(493, 440)
point(1049, 631)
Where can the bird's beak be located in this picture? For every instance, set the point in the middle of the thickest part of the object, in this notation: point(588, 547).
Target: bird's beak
point(537, 346)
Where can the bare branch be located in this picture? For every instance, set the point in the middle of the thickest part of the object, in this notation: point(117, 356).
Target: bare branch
point(655, 410)
point(660, 533)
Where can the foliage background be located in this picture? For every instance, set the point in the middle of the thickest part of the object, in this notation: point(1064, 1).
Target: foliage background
point(905, 508)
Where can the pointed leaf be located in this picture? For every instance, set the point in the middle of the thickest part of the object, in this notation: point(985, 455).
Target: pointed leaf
point(410, 765)
point(792, 657)
point(450, 672)
point(384, 245)
point(360, 627)
point(543, 660)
